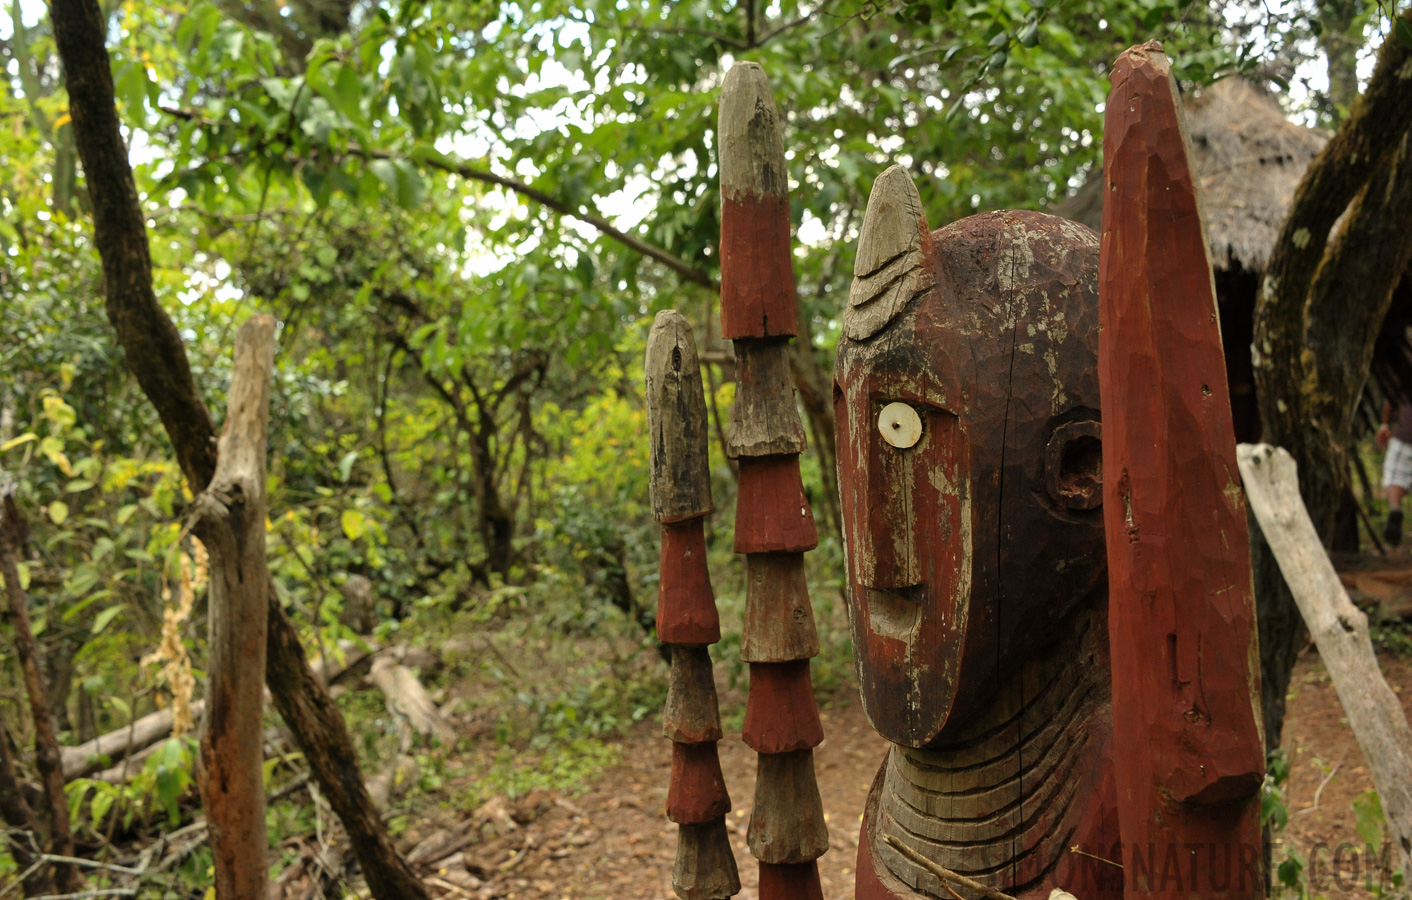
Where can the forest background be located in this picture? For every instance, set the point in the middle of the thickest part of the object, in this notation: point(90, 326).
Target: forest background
point(464, 216)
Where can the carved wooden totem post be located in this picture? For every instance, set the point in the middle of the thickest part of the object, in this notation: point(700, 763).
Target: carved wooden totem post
point(774, 525)
point(967, 416)
point(686, 611)
point(1186, 671)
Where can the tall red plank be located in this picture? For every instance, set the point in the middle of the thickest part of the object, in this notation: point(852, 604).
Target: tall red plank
point(697, 799)
point(1188, 746)
point(774, 524)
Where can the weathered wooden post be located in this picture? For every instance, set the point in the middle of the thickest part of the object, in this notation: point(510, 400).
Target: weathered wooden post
point(1186, 677)
point(774, 525)
point(697, 799)
point(229, 517)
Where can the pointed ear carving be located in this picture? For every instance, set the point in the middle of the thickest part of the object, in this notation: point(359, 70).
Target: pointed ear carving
point(894, 261)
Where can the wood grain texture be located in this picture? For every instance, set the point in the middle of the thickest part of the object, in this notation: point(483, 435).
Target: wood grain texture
point(894, 262)
point(772, 515)
point(784, 881)
point(779, 617)
point(698, 789)
point(780, 713)
point(1340, 630)
point(680, 469)
point(787, 818)
point(961, 561)
point(229, 517)
point(705, 865)
point(1006, 795)
point(686, 605)
point(692, 714)
point(1186, 674)
point(764, 417)
point(757, 270)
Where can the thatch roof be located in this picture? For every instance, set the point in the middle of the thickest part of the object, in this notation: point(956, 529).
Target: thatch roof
point(1248, 159)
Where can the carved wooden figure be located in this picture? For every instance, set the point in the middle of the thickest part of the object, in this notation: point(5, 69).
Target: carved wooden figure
point(774, 524)
point(1186, 673)
point(697, 799)
point(967, 417)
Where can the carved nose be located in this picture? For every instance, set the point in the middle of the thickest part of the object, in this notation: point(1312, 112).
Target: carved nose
point(891, 557)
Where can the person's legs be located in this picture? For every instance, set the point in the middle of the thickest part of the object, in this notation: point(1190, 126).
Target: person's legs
point(1397, 478)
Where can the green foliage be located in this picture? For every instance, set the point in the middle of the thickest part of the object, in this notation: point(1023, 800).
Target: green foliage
point(457, 413)
point(159, 786)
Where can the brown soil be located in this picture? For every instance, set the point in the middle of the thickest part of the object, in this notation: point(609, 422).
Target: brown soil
point(1325, 763)
point(614, 841)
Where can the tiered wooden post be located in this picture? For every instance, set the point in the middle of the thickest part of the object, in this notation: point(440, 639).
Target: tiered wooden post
point(686, 612)
point(774, 525)
point(1186, 678)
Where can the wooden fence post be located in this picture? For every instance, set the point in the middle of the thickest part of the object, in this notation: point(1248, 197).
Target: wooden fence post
point(1340, 630)
point(774, 524)
point(697, 799)
point(1188, 747)
point(229, 517)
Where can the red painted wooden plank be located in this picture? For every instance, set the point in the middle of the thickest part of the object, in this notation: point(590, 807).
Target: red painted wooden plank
point(757, 270)
point(772, 515)
point(780, 713)
point(1186, 680)
point(686, 605)
point(698, 789)
point(784, 881)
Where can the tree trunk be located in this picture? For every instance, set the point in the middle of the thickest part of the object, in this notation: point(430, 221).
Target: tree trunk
point(22, 835)
point(158, 360)
point(1341, 632)
point(229, 517)
point(1321, 303)
point(46, 746)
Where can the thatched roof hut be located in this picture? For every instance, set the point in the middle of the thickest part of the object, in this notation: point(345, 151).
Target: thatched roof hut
point(1248, 159)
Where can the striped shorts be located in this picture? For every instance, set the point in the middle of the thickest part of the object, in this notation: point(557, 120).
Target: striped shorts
point(1397, 465)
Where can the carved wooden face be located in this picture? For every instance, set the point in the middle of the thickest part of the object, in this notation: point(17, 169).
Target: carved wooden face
point(968, 450)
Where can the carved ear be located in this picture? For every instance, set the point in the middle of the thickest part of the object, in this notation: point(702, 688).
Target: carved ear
point(893, 264)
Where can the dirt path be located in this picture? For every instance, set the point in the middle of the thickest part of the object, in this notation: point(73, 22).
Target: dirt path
point(614, 843)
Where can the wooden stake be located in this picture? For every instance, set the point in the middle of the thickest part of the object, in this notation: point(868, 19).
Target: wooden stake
point(787, 819)
point(757, 271)
point(1188, 749)
point(772, 513)
point(779, 619)
point(799, 881)
point(692, 715)
point(687, 620)
point(705, 867)
point(780, 714)
point(1340, 631)
point(698, 789)
point(229, 517)
point(676, 420)
point(764, 418)
point(686, 606)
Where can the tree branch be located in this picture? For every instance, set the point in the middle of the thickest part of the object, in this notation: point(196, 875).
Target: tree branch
point(1364, 144)
point(462, 169)
point(158, 360)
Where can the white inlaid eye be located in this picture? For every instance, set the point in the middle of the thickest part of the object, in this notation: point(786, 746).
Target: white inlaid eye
point(900, 425)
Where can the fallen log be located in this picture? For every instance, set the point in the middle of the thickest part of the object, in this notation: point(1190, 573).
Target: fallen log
point(105, 753)
point(1340, 631)
point(407, 698)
